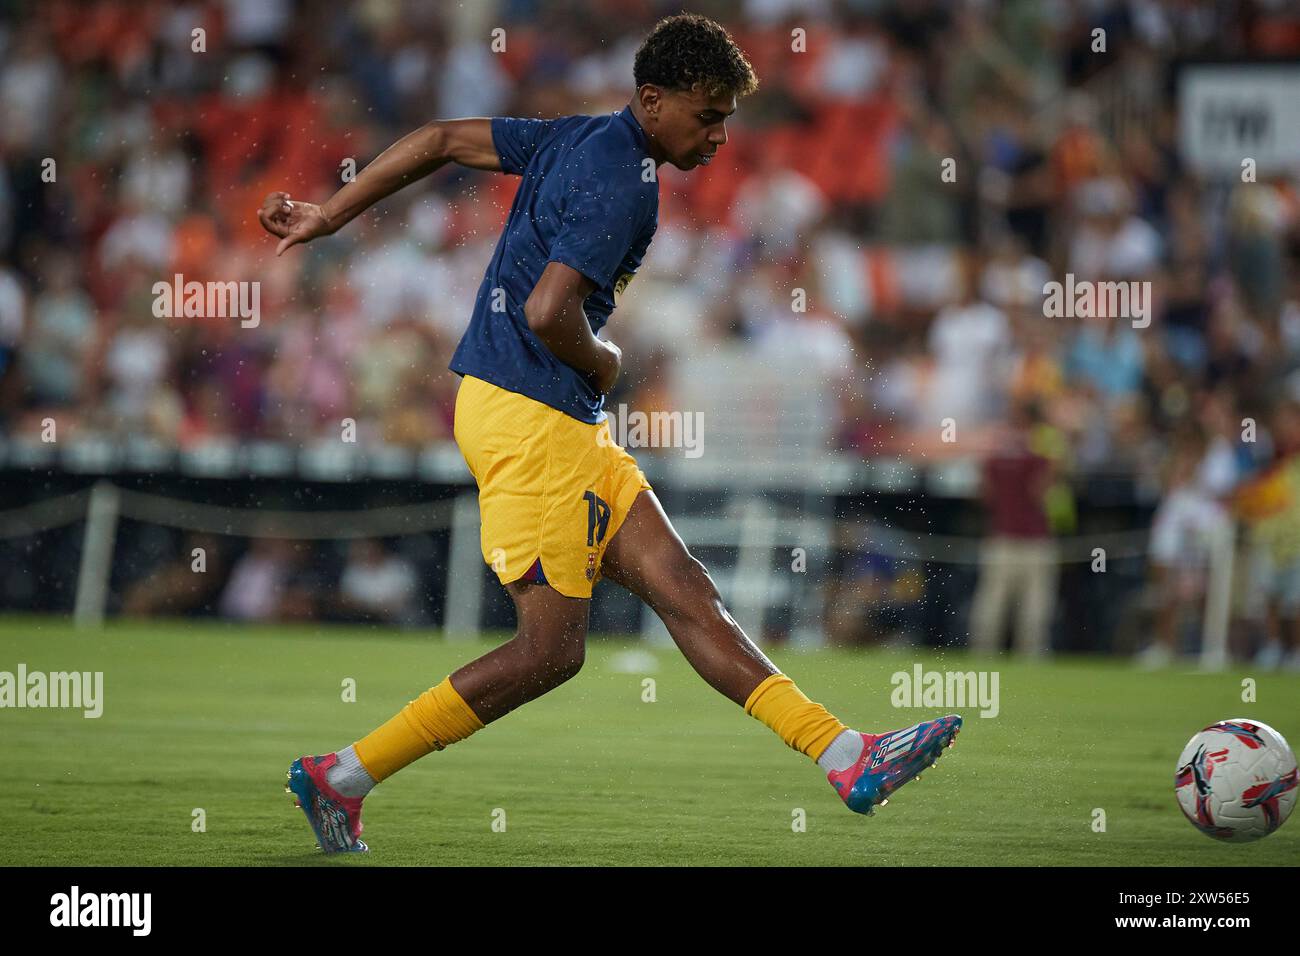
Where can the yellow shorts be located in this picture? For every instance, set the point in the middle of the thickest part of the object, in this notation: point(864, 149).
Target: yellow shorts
point(552, 490)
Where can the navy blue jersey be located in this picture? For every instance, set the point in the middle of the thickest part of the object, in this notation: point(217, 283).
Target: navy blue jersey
point(589, 199)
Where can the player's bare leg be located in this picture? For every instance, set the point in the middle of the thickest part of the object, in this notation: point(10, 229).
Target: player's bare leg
point(548, 648)
point(649, 558)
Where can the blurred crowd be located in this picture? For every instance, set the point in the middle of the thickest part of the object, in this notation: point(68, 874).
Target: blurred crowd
point(129, 155)
point(274, 579)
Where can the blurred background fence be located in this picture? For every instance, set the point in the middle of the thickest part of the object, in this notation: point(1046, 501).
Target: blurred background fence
point(844, 555)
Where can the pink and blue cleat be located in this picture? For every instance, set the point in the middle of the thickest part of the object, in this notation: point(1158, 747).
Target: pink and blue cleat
point(335, 819)
point(892, 759)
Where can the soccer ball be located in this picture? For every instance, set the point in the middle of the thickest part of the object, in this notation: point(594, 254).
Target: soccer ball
point(1236, 780)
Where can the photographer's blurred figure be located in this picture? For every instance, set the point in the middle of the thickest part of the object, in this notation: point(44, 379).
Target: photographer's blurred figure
point(275, 580)
point(1187, 522)
point(185, 584)
point(377, 586)
point(1018, 558)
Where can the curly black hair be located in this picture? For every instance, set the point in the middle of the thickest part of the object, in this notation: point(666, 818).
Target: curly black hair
point(689, 50)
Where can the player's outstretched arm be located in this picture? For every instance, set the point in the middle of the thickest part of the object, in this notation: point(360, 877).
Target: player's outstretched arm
point(467, 142)
point(554, 313)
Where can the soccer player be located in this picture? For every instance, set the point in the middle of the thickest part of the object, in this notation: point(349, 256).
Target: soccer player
point(561, 504)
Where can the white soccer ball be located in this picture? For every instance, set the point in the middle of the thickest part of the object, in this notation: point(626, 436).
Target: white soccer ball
point(1236, 780)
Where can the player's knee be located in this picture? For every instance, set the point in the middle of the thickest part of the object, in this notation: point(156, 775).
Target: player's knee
point(555, 662)
point(569, 661)
point(689, 590)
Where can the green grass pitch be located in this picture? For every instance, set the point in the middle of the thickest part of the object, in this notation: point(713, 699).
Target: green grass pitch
point(209, 716)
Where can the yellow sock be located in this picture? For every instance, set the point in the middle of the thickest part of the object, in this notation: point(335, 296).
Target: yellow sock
point(436, 719)
point(803, 724)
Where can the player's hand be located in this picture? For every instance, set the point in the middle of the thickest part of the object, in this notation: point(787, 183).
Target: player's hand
point(293, 221)
point(610, 367)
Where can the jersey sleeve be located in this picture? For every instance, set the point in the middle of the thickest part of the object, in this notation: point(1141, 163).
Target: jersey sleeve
point(517, 140)
point(600, 224)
